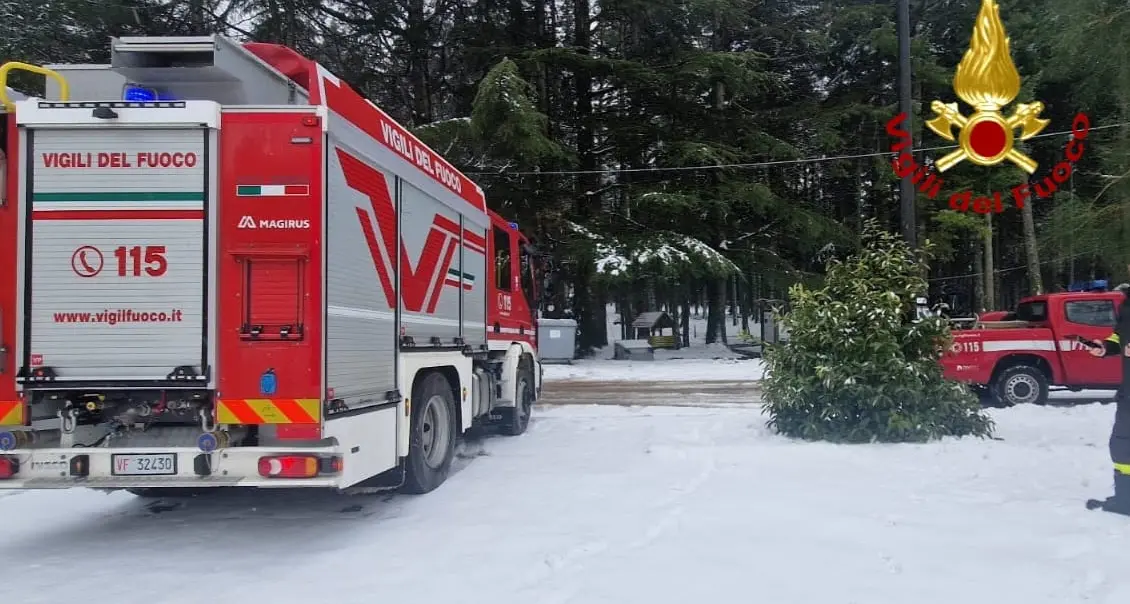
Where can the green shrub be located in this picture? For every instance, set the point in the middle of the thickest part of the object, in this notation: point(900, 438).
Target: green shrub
point(856, 366)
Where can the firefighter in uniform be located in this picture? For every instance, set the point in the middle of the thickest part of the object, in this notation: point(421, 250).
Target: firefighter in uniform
point(1119, 343)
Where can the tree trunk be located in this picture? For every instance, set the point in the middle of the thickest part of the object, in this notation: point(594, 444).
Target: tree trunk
point(685, 322)
point(196, 17)
point(990, 272)
point(717, 289)
point(979, 304)
point(582, 40)
point(544, 40)
point(627, 316)
point(734, 300)
point(715, 311)
point(1071, 261)
point(590, 307)
point(419, 54)
point(1033, 249)
point(589, 311)
point(747, 302)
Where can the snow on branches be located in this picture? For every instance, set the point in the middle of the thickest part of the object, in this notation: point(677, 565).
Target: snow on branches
point(661, 253)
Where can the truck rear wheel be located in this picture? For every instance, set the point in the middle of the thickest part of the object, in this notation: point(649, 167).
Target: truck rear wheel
point(1021, 385)
point(432, 438)
point(518, 416)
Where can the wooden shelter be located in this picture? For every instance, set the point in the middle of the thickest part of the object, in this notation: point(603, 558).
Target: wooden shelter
point(658, 328)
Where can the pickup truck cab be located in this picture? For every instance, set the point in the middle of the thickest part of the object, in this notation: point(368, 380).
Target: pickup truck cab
point(1017, 359)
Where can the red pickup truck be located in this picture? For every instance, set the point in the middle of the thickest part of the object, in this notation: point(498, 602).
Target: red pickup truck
point(1015, 360)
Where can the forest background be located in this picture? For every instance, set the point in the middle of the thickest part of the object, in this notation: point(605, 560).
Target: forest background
point(686, 154)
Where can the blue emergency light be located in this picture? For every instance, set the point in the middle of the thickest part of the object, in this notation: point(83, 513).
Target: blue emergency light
point(135, 93)
point(1089, 286)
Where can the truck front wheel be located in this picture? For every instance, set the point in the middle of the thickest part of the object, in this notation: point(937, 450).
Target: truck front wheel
point(432, 435)
point(517, 418)
point(1022, 384)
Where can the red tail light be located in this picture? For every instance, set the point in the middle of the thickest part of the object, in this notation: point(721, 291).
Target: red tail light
point(8, 467)
point(298, 466)
point(288, 466)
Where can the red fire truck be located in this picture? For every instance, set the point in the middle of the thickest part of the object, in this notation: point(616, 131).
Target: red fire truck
point(1015, 357)
point(228, 268)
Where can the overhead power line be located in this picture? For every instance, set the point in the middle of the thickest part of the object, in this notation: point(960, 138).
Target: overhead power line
point(779, 162)
point(1010, 269)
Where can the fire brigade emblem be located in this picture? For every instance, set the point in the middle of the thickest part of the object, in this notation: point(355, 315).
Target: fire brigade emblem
point(987, 80)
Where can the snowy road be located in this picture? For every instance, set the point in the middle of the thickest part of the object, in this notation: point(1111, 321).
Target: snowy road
point(622, 505)
point(690, 394)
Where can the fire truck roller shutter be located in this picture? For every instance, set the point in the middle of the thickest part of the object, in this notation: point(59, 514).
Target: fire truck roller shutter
point(117, 258)
point(361, 280)
point(431, 284)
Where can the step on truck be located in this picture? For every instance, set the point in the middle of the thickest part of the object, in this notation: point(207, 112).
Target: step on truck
point(1013, 358)
point(231, 269)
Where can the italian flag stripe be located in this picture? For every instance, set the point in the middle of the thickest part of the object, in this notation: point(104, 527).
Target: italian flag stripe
point(272, 190)
point(457, 275)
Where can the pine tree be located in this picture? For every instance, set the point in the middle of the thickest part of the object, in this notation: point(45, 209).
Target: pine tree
point(857, 367)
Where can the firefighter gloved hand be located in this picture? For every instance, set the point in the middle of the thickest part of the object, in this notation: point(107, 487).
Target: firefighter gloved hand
point(1097, 351)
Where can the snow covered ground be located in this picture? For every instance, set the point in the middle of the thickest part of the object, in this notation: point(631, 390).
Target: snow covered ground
point(697, 363)
point(623, 505)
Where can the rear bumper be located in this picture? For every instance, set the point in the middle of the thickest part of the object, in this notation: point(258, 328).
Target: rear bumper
point(234, 467)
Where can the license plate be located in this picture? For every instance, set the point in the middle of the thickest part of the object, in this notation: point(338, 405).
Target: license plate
point(151, 464)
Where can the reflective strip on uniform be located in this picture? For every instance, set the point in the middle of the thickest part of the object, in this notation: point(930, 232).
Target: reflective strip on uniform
point(1122, 468)
point(252, 411)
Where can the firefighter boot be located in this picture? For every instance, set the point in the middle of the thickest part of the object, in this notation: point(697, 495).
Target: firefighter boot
point(1120, 502)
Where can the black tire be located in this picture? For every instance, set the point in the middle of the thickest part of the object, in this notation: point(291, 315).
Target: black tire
point(433, 425)
point(988, 397)
point(1021, 385)
point(518, 416)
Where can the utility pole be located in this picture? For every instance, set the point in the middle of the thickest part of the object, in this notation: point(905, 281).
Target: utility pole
point(906, 187)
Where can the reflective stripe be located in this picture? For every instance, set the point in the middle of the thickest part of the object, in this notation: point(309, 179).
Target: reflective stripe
point(1122, 468)
point(11, 413)
point(269, 411)
point(1007, 345)
point(1113, 338)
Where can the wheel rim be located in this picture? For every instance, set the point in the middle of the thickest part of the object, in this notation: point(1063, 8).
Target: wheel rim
point(1021, 389)
point(434, 427)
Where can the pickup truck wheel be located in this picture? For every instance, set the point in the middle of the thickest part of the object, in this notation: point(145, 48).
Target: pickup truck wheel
point(1021, 385)
point(432, 436)
point(987, 396)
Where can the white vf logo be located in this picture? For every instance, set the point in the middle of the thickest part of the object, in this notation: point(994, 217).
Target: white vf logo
point(247, 222)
